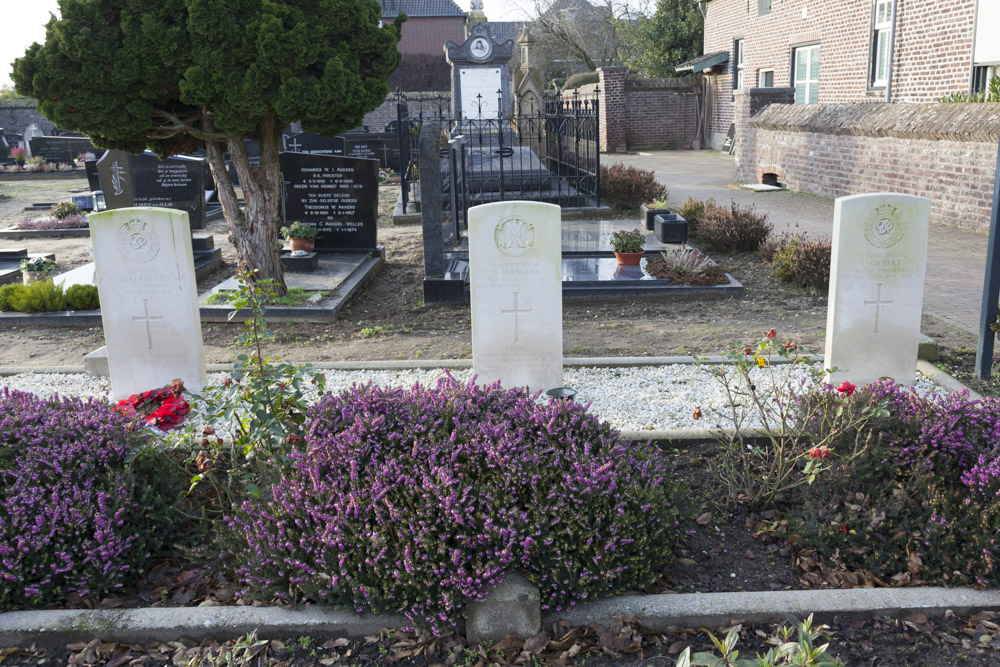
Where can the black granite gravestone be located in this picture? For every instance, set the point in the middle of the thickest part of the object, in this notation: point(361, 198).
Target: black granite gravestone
point(145, 180)
point(61, 149)
point(368, 145)
point(338, 195)
point(93, 178)
point(313, 144)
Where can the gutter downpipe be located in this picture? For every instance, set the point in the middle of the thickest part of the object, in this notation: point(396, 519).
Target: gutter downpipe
point(892, 52)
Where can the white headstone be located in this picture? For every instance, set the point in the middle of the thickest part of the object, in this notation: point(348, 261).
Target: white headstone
point(515, 277)
point(876, 287)
point(149, 301)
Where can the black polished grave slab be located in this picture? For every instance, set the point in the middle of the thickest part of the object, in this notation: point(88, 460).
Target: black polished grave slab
point(593, 270)
point(338, 195)
point(146, 180)
point(61, 149)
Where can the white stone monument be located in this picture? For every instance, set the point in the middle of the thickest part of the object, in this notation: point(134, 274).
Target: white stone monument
point(876, 287)
point(149, 301)
point(515, 277)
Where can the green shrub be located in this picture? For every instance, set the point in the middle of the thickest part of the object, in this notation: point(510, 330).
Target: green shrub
point(40, 297)
point(64, 209)
point(800, 260)
point(82, 297)
point(692, 210)
point(7, 293)
point(627, 188)
point(581, 79)
point(735, 229)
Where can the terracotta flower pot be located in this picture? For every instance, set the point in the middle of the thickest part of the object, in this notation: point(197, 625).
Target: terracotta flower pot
point(296, 243)
point(629, 258)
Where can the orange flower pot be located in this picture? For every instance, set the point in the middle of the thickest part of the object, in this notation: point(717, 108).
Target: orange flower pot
point(629, 258)
point(295, 243)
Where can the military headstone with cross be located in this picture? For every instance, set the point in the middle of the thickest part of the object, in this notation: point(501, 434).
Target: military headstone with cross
point(876, 287)
point(515, 279)
point(149, 302)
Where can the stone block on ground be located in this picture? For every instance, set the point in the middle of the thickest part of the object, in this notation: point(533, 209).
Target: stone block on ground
point(512, 607)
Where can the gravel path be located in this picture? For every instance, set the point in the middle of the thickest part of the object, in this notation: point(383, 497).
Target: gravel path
point(634, 398)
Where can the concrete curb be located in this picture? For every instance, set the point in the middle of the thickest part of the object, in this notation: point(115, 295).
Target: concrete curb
point(932, 372)
point(54, 629)
point(712, 610)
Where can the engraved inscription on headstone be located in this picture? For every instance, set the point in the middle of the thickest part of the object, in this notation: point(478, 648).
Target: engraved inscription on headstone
point(876, 287)
point(144, 180)
point(149, 305)
point(516, 292)
point(338, 195)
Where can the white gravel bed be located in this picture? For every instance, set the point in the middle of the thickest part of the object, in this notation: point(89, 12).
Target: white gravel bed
point(633, 398)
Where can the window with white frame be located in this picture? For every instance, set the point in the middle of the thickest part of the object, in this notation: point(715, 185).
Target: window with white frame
point(737, 64)
point(765, 78)
point(805, 71)
point(986, 56)
point(881, 38)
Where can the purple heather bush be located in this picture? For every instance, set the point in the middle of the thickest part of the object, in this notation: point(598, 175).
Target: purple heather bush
point(417, 500)
point(921, 501)
point(70, 516)
point(73, 221)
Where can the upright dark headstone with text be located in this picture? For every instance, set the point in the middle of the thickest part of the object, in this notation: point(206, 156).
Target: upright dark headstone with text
point(145, 180)
point(61, 149)
point(339, 195)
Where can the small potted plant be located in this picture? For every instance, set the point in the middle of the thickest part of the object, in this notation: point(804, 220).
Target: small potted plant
point(36, 269)
point(628, 246)
point(651, 210)
point(19, 154)
point(300, 236)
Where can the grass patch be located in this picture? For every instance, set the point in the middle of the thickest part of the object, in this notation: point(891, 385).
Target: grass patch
point(295, 296)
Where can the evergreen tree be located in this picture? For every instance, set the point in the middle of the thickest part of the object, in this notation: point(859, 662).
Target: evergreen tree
point(176, 75)
point(655, 45)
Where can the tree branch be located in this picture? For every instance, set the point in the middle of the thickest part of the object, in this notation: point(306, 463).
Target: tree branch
point(177, 125)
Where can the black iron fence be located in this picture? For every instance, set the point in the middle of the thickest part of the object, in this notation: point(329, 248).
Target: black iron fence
point(545, 150)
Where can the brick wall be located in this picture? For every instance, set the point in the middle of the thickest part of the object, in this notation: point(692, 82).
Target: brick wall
point(427, 35)
point(932, 58)
point(645, 114)
point(17, 115)
point(946, 152)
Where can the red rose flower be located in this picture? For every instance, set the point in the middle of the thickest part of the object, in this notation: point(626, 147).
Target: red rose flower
point(846, 388)
point(771, 333)
point(822, 452)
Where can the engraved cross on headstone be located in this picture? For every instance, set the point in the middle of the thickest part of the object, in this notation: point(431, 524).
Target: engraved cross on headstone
point(878, 303)
point(515, 313)
point(293, 145)
point(146, 318)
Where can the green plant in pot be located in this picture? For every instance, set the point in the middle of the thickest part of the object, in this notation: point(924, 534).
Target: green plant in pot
point(628, 246)
point(36, 268)
point(300, 236)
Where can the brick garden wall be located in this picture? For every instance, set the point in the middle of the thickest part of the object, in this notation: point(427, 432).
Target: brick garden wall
point(946, 152)
point(932, 58)
point(17, 115)
point(652, 114)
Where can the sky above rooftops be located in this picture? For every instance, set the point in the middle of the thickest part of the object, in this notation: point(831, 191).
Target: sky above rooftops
point(24, 23)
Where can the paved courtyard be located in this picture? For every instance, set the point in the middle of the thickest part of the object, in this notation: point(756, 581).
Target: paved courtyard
point(956, 259)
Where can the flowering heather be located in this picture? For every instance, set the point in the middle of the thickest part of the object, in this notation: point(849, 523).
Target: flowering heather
point(926, 490)
point(74, 221)
point(67, 507)
point(417, 500)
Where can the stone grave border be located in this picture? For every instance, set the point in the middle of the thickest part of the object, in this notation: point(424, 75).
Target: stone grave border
point(515, 607)
point(491, 619)
point(77, 172)
point(12, 234)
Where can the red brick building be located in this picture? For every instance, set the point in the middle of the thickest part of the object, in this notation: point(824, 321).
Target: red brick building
point(429, 24)
point(846, 51)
